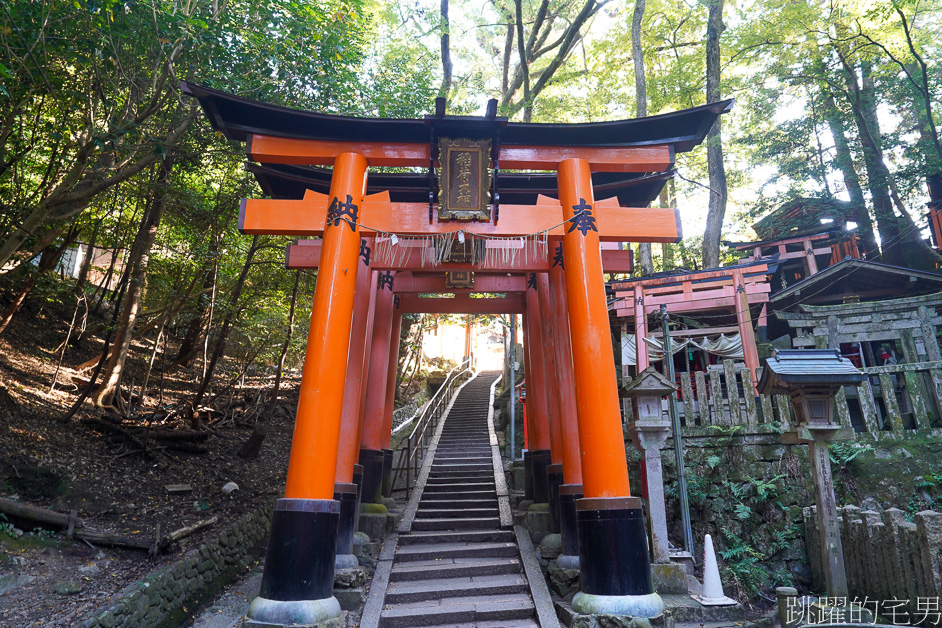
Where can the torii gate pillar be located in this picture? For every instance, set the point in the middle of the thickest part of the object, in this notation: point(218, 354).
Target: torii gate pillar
point(298, 579)
point(613, 546)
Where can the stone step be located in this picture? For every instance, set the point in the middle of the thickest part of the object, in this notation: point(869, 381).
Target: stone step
point(460, 479)
point(430, 551)
point(453, 568)
point(481, 523)
point(460, 536)
point(463, 466)
point(422, 590)
point(454, 513)
point(462, 457)
point(461, 494)
point(468, 503)
point(512, 623)
point(454, 610)
point(472, 487)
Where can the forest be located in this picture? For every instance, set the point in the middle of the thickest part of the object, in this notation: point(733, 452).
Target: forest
point(99, 150)
point(834, 101)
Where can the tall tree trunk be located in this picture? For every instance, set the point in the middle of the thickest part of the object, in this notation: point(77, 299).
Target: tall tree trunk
point(89, 255)
point(190, 346)
point(224, 330)
point(667, 250)
point(107, 392)
point(279, 369)
point(641, 108)
point(524, 61)
point(47, 262)
point(718, 193)
point(445, 89)
point(844, 160)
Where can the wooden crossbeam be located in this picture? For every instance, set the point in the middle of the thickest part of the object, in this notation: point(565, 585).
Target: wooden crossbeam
point(281, 150)
point(430, 284)
point(681, 307)
point(308, 256)
point(306, 218)
point(717, 274)
point(695, 291)
point(461, 304)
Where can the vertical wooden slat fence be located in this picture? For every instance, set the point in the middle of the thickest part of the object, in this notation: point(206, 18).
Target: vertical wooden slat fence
point(895, 398)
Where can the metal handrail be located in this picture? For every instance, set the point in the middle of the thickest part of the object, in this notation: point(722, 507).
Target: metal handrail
point(411, 451)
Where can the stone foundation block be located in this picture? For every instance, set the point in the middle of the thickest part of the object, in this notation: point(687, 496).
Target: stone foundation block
point(373, 525)
point(351, 599)
point(669, 578)
point(537, 522)
point(349, 578)
point(565, 582)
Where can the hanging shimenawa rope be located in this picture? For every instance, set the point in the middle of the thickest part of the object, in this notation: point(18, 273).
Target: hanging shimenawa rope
point(393, 249)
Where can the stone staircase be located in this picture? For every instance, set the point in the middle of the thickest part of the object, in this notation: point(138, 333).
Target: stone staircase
point(455, 565)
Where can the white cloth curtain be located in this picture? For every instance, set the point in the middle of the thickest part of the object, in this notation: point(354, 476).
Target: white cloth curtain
point(725, 346)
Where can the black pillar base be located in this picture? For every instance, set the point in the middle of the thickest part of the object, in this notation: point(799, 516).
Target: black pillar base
point(568, 531)
point(346, 495)
point(358, 480)
point(540, 459)
point(554, 479)
point(372, 487)
point(387, 472)
point(613, 547)
point(299, 564)
point(527, 475)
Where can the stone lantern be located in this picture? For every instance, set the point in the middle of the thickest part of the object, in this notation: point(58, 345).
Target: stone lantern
point(649, 431)
point(811, 379)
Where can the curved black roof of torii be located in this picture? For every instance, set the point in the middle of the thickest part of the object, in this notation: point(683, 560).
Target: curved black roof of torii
point(287, 181)
point(237, 117)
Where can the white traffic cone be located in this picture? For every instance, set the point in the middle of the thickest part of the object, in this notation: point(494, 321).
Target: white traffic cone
point(712, 586)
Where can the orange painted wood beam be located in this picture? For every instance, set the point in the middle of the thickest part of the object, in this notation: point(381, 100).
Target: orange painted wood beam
point(461, 304)
point(432, 284)
point(281, 150)
point(308, 256)
point(306, 218)
point(692, 306)
point(718, 274)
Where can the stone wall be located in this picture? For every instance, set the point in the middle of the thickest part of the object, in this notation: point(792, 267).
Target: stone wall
point(168, 594)
point(887, 555)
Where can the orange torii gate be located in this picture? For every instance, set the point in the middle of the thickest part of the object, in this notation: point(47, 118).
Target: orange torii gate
point(470, 152)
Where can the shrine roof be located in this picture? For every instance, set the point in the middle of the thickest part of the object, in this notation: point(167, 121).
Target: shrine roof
point(237, 118)
point(788, 367)
point(802, 216)
point(290, 182)
point(853, 276)
point(815, 236)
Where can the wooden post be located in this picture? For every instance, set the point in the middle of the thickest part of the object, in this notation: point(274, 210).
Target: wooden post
point(744, 320)
point(313, 459)
point(831, 548)
point(392, 372)
point(641, 331)
point(811, 264)
point(615, 566)
point(550, 369)
point(379, 364)
point(349, 444)
point(537, 415)
point(372, 439)
point(540, 453)
point(565, 387)
point(604, 465)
